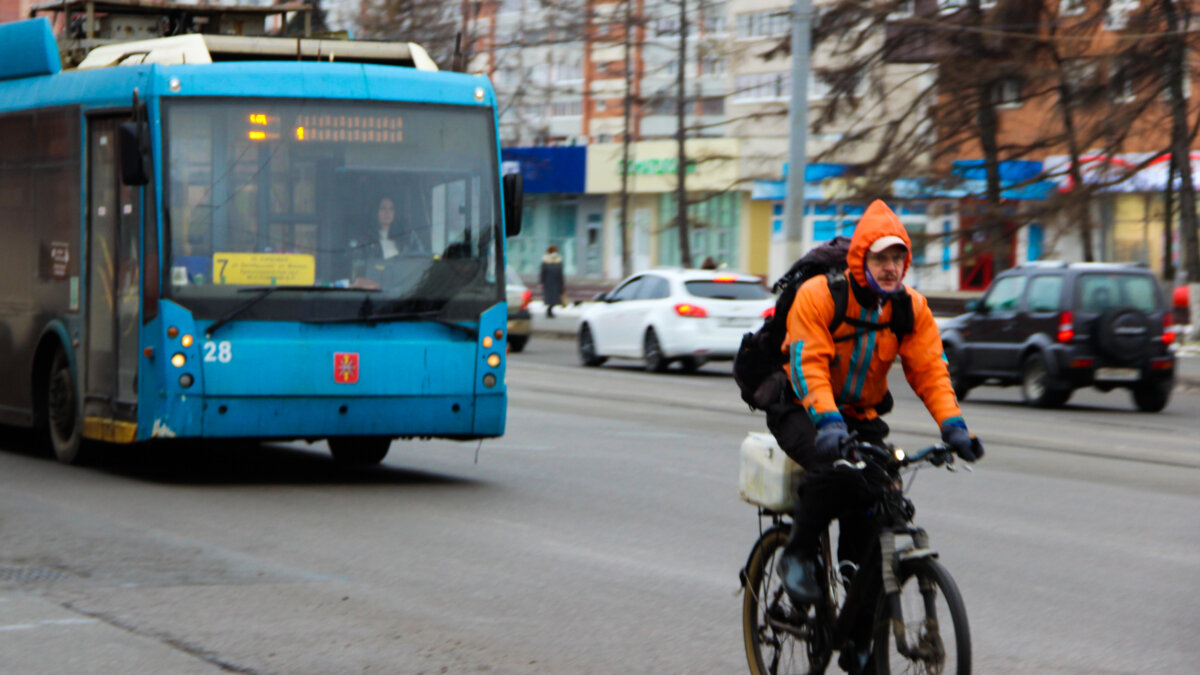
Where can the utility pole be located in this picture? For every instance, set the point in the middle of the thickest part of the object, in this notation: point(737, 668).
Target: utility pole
point(626, 268)
point(789, 244)
point(685, 240)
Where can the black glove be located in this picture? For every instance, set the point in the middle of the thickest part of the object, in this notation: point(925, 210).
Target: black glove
point(962, 442)
point(830, 439)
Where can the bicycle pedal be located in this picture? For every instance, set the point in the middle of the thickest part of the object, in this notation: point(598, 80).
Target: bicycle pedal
point(789, 616)
point(847, 570)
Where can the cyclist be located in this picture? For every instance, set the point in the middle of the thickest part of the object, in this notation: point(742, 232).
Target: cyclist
point(841, 386)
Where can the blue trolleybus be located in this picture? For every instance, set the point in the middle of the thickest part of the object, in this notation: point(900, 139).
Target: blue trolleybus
point(204, 236)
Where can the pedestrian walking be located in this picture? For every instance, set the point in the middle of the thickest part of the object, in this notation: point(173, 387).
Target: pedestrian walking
point(552, 279)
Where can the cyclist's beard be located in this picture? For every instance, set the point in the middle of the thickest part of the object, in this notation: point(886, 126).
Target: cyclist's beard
point(874, 285)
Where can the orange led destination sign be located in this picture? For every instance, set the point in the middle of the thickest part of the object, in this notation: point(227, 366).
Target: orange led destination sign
point(317, 128)
point(263, 127)
point(350, 128)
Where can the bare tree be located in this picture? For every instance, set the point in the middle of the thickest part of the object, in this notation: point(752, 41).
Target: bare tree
point(432, 24)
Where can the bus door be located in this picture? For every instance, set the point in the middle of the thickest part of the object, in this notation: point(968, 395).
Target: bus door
point(113, 280)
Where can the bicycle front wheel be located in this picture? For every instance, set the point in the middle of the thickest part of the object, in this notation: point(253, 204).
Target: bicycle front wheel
point(780, 638)
point(936, 634)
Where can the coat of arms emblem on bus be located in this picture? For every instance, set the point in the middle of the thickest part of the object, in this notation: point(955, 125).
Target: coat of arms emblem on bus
point(345, 367)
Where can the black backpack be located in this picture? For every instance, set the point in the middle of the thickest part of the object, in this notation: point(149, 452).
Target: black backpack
point(758, 364)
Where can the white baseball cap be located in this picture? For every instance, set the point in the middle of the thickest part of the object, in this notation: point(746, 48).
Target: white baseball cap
point(887, 242)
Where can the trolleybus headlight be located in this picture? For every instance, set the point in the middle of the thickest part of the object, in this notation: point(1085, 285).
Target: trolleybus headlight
point(186, 340)
point(489, 380)
point(178, 360)
point(172, 332)
point(185, 380)
point(493, 360)
point(487, 341)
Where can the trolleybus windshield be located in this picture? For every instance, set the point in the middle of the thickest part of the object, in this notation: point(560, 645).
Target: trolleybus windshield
point(394, 203)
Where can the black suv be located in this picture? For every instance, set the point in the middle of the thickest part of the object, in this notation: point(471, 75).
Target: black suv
point(1053, 327)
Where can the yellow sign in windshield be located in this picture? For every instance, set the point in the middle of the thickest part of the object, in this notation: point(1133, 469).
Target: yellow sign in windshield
point(264, 269)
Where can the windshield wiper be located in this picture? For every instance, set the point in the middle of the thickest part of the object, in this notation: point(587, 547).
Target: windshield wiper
point(264, 291)
point(404, 316)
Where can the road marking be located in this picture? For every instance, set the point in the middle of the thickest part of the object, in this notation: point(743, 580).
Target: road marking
point(47, 622)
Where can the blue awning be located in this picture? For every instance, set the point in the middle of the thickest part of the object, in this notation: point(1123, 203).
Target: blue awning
point(968, 179)
point(819, 171)
point(1011, 170)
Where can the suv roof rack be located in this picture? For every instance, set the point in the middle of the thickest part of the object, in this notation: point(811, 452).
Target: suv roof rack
point(1044, 263)
point(1110, 264)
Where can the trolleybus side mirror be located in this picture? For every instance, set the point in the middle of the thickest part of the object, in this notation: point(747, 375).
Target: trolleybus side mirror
point(135, 162)
point(514, 197)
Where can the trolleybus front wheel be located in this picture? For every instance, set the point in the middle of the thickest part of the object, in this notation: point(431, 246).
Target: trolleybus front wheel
point(62, 411)
point(359, 450)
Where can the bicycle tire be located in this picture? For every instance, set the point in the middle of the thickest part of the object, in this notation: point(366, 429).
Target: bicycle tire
point(941, 594)
point(770, 650)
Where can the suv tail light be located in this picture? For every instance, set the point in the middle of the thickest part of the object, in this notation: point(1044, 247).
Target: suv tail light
point(525, 298)
point(694, 311)
point(768, 312)
point(1066, 327)
point(1168, 336)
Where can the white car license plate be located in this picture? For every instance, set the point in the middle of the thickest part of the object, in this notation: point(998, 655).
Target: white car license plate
point(1118, 374)
point(735, 322)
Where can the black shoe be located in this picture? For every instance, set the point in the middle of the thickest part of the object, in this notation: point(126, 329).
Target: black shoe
point(852, 660)
point(800, 576)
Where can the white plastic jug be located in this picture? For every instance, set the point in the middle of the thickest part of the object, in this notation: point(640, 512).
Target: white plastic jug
point(767, 477)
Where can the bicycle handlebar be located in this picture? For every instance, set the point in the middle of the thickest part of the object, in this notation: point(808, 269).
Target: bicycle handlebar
point(937, 455)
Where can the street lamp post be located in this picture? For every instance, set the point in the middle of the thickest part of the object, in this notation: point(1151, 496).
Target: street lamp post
point(788, 244)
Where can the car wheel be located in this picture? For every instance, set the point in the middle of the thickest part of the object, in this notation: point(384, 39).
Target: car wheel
point(1152, 396)
point(516, 343)
point(652, 353)
point(1036, 387)
point(958, 379)
point(587, 348)
point(691, 364)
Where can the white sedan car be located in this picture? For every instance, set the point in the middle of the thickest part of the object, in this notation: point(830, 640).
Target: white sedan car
point(666, 315)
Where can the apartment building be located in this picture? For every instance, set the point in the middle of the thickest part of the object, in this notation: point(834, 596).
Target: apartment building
point(560, 74)
point(12, 10)
point(1091, 84)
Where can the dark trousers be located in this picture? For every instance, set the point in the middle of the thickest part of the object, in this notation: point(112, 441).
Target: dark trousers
point(825, 494)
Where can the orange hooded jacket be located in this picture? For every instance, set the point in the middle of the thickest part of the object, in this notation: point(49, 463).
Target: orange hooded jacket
point(833, 380)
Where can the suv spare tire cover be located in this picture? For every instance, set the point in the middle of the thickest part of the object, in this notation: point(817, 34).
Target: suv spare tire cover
point(1123, 334)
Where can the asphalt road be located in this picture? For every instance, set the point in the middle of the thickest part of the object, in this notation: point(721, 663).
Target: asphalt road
point(602, 534)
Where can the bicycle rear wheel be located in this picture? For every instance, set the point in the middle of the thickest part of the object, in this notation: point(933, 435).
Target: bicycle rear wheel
point(780, 638)
point(935, 624)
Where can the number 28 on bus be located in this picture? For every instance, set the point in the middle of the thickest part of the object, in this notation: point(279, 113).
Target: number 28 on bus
point(203, 247)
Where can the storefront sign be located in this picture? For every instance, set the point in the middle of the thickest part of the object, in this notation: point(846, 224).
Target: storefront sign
point(653, 166)
point(656, 167)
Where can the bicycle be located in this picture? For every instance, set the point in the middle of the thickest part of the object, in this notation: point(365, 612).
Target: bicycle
point(908, 592)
